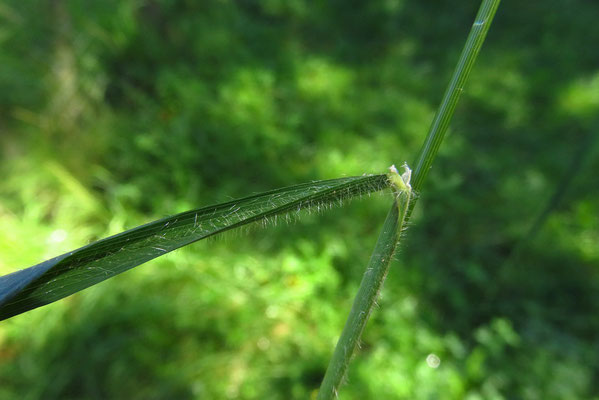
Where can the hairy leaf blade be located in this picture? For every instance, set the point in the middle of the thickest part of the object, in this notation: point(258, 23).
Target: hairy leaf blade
point(64, 275)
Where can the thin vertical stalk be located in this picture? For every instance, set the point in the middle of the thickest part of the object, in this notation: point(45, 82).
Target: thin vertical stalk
point(372, 282)
point(378, 267)
point(440, 123)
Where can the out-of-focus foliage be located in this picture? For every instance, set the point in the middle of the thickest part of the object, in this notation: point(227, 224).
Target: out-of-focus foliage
point(114, 113)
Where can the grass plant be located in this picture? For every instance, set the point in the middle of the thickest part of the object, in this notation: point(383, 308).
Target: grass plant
point(76, 270)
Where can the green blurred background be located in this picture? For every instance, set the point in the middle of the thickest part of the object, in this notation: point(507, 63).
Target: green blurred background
point(115, 113)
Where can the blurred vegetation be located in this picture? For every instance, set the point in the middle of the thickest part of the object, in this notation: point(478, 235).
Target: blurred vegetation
point(115, 113)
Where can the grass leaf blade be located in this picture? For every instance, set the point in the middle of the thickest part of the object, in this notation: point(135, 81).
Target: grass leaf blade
point(71, 272)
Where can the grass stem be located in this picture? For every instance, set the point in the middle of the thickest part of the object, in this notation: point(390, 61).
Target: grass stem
point(401, 210)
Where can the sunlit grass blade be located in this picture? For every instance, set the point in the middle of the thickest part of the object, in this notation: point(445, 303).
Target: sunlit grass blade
point(71, 272)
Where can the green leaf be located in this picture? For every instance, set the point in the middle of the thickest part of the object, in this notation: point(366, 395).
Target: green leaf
point(64, 275)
